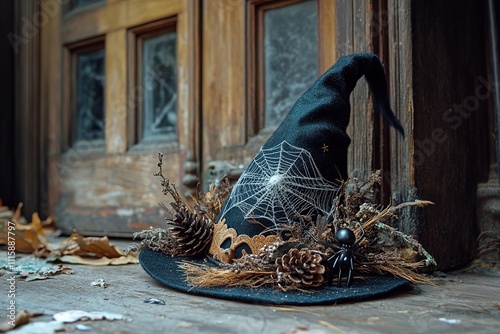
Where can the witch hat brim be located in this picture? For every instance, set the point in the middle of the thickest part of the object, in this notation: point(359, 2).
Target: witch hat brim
point(165, 269)
point(318, 119)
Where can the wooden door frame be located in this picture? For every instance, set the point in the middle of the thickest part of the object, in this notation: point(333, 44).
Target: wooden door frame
point(254, 63)
point(115, 21)
point(445, 153)
point(29, 139)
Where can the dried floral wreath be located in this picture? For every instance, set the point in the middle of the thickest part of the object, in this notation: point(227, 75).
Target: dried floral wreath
point(300, 255)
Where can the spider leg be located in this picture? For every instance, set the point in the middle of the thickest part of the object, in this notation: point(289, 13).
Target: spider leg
point(332, 269)
point(365, 265)
point(362, 256)
point(339, 282)
point(327, 244)
point(336, 255)
point(373, 242)
point(337, 264)
point(330, 277)
point(351, 270)
point(361, 237)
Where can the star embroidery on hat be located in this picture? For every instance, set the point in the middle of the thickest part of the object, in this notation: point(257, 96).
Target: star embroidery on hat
point(324, 148)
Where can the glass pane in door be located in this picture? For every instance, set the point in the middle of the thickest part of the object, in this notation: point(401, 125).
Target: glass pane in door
point(290, 57)
point(160, 86)
point(90, 96)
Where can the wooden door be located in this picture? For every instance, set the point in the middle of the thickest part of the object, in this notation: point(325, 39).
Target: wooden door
point(239, 65)
point(118, 84)
point(259, 56)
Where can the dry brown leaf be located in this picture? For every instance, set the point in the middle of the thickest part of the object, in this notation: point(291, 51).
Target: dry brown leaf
point(29, 237)
point(90, 246)
point(103, 261)
point(4, 228)
point(22, 317)
point(95, 251)
point(17, 214)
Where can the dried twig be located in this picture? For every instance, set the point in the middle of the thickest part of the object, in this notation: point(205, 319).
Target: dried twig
point(389, 250)
point(169, 188)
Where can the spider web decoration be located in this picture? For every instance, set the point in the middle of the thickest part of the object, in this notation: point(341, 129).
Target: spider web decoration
point(279, 183)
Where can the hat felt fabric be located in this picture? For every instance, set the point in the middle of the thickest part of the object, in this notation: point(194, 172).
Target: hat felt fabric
point(165, 269)
point(317, 124)
point(300, 164)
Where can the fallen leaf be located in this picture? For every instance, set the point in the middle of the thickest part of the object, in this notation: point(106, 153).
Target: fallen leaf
point(155, 301)
point(90, 246)
point(17, 214)
point(101, 283)
point(103, 261)
point(22, 317)
point(94, 251)
point(70, 316)
point(76, 315)
point(35, 269)
point(40, 327)
point(82, 327)
point(29, 238)
point(106, 316)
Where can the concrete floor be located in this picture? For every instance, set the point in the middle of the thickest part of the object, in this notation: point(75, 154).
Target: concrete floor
point(456, 303)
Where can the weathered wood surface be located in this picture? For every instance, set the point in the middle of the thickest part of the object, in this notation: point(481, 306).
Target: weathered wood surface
point(113, 194)
point(458, 303)
point(426, 48)
point(28, 122)
point(117, 185)
point(430, 69)
point(445, 155)
point(231, 128)
point(353, 22)
point(223, 79)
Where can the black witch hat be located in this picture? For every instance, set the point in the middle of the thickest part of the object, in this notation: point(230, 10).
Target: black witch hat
point(297, 171)
point(316, 125)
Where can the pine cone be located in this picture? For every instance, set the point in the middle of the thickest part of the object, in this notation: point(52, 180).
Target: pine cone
point(191, 231)
point(300, 269)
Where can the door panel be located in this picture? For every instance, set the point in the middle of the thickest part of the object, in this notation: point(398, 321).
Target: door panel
point(104, 183)
point(222, 85)
point(245, 63)
point(290, 59)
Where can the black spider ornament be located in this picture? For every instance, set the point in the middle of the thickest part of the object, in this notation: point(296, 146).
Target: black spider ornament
point(345, 257)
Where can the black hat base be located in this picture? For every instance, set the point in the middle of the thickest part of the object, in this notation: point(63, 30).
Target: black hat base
point(165, 270)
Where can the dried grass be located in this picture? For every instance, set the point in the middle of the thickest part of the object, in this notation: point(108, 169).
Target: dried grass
point(389, 251)
point(203, 275)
